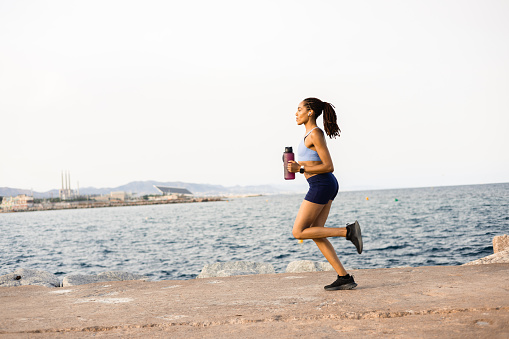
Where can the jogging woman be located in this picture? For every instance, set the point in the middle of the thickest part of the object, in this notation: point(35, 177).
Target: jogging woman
point(316, 164)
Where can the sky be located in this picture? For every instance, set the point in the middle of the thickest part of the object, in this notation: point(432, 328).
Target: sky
point(206, 91)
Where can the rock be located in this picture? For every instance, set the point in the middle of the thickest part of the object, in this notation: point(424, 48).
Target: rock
point(497, 258)
point(78, 279)
point(227, 269)
point(308, 266)
point(24, 276)
point(500, 243)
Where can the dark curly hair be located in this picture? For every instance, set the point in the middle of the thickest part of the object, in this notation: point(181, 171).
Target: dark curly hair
point(329, 115)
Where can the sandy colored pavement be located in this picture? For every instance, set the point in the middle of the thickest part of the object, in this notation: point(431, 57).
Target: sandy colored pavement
point(424, 302)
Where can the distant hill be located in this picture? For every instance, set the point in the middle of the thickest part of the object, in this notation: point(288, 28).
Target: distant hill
point(147, 187)
point(11, 192)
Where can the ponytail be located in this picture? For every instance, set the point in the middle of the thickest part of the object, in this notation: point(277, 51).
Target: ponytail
point(330, 124)
point(329, 121)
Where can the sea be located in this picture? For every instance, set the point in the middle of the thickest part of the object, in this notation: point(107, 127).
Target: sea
point(400, 227)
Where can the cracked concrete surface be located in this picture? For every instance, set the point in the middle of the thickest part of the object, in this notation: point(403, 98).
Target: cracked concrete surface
point(444, 301)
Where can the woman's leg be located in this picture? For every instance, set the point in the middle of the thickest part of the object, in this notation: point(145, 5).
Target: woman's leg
point(310, 221)
point(330, 254)
point(309, 224)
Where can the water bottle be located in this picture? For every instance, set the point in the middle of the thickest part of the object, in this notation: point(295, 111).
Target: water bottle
point(287, 156)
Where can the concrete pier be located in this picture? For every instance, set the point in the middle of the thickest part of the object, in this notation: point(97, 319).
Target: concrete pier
point(99, 204)
point(423, 302)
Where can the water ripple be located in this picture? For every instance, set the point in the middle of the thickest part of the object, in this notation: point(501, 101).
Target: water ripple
point(425, 226)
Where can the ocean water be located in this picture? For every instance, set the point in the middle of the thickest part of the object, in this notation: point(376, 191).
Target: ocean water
point(401, 227)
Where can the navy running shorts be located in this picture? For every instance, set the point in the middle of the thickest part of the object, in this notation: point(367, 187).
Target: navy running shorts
point(322, 188)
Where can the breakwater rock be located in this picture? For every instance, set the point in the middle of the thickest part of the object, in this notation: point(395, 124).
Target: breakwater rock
point(496, 258)
point(500, 243)
point(308, 266)
point(24, 276)
point(74, 280)
point(500, 255)
point(231, 268)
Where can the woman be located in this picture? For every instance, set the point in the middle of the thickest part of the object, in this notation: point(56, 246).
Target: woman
point(316, 164)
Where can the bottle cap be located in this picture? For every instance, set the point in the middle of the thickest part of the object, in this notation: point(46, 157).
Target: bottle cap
point(288, 149)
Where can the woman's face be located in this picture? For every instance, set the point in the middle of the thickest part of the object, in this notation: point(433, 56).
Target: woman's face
point(302, 114)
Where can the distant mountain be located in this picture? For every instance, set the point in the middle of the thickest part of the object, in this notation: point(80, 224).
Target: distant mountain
point(11, 192)
point(147, 187)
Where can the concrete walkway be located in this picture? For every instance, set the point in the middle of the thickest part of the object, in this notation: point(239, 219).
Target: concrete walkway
point(426, 302)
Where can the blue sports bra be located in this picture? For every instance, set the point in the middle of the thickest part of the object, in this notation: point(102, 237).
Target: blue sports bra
point(307, 154)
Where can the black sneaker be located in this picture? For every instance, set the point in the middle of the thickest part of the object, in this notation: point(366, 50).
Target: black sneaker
point(342, 283)
point(353, 233)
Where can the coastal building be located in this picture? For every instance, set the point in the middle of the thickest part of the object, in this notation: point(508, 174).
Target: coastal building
point(18, 203)
point(113, 196)
point(101, 198)
point(119, 196)
point(66, 192)
point(174, 192)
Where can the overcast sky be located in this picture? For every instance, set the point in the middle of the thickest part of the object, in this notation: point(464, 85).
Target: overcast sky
point(206, 91)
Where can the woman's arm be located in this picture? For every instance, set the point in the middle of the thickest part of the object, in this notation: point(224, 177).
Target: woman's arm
point(319, 144)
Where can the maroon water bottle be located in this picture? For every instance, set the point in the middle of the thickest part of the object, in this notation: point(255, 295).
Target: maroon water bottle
point(287, 156)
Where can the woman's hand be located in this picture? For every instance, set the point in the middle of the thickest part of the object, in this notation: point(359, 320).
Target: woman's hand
point(293, 167)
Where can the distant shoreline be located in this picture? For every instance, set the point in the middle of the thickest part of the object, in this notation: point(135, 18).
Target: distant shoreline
point(94, 204)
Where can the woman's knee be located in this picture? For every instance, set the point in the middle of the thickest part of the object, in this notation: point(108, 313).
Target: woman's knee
point(297, 233)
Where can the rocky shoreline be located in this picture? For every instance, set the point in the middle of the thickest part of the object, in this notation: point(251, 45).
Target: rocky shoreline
point(23, 277)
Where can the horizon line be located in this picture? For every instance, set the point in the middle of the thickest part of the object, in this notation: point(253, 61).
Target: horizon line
point(353, 188)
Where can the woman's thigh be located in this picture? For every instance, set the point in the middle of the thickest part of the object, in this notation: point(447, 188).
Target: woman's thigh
point(321, 219)
point(311, 215)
